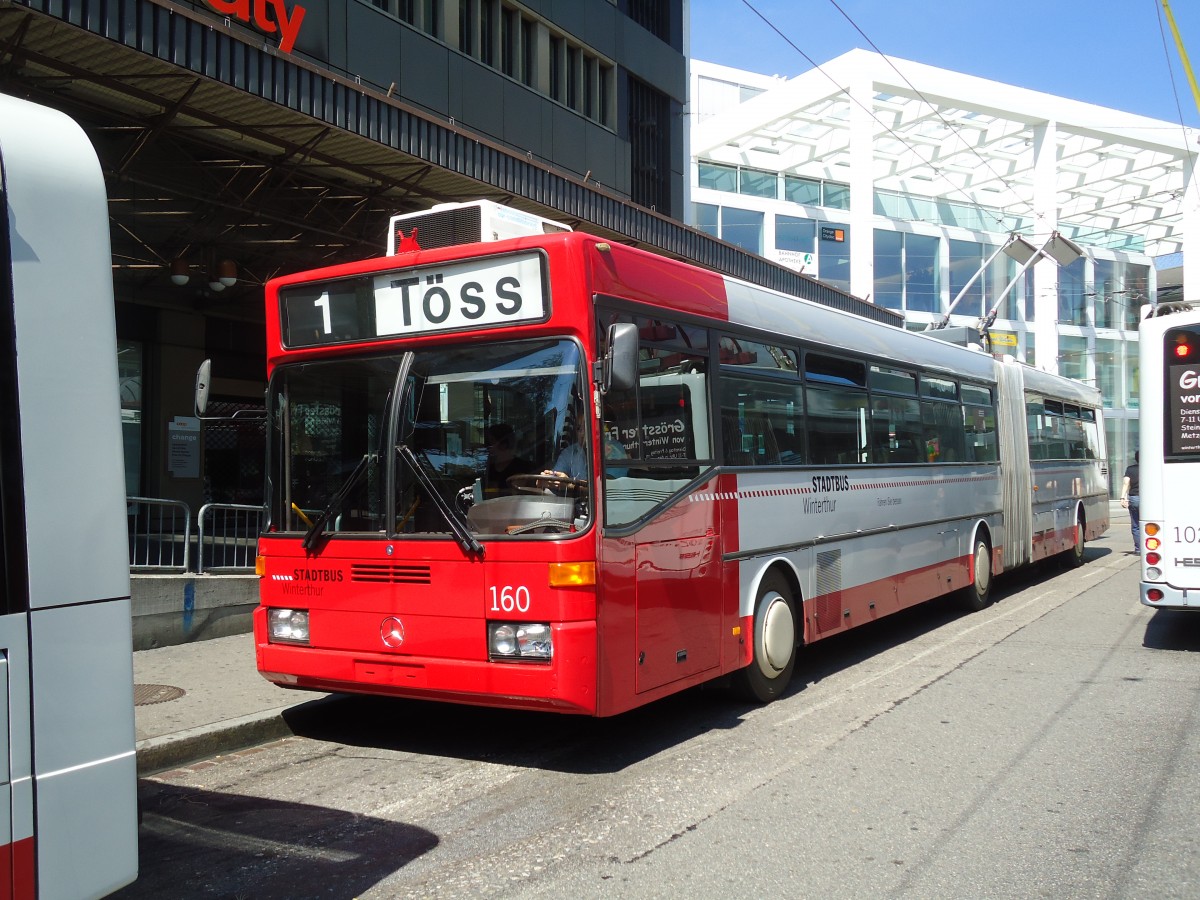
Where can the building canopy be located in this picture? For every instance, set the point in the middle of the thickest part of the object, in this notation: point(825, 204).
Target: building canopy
point(1119, 179)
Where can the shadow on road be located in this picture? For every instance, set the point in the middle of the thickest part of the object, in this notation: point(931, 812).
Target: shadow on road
point(581, 745)
point(1173, 629)
point(551, 741)
point(844, 651)
point(195, 843)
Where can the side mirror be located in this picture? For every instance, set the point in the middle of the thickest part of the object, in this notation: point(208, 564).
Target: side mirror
point(621, 360)
point(203, 379)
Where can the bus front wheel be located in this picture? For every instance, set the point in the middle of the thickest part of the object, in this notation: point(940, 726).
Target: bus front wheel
point(774, 637)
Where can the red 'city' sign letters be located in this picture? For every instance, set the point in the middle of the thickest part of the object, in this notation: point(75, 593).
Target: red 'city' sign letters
point(268, 16)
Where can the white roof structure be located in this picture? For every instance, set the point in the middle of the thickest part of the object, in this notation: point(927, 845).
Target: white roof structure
point(944, 135)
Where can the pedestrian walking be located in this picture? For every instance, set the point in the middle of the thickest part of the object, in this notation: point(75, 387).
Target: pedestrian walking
point(1131, 500)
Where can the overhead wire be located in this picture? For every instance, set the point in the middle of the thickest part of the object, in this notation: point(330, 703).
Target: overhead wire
point(996, 215)
point(1160, 9)
point(985, 211)
point(953, 128)
point(1187, 66)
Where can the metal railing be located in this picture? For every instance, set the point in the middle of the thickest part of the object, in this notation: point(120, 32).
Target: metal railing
point(227, 537)
point(160, 535)
point(161, 538)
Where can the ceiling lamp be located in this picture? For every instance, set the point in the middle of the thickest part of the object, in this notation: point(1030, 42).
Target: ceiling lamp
point(179, 272)
point(227, 273)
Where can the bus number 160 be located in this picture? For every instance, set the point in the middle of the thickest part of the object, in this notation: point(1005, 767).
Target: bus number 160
point(510, 599)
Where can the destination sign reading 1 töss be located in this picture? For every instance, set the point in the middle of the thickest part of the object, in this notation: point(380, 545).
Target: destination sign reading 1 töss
point(481, 293)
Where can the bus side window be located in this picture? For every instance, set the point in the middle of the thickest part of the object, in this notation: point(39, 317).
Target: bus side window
point(663, 423)
point(836, 400)
point(836, 425)
point(734, 441)
point(1093, 436)
point(1073, 433)
point(979, 421)
point(1037, 428)
point(895, 430)
point(943, 431)
point(761, 423)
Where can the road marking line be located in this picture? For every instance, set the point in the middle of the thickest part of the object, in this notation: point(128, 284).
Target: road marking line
point(824, 704)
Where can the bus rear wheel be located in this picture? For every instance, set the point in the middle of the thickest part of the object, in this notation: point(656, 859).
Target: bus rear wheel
point(1072, 558)
point(774, 642)
point(978, 594)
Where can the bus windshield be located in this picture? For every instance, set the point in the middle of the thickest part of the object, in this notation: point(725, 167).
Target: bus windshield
point(438, 442)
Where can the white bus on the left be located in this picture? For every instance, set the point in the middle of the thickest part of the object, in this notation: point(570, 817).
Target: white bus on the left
point(68, 801)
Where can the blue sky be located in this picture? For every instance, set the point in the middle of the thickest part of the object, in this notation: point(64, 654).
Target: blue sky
point(1111, 53)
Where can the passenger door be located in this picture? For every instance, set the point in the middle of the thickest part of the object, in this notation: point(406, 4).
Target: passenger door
point(660, 551)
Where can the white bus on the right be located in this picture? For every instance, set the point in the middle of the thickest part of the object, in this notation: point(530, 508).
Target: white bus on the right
point(1169, 463)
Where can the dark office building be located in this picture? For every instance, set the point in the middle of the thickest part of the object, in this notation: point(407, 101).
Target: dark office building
point(243, 139)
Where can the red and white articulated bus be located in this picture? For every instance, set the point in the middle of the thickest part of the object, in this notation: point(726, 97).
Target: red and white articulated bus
point(1169, 535)
point(554, 472)
point(68, 789)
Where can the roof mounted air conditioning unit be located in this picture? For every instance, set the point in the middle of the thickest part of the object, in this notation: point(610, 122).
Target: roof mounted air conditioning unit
point(479, 221)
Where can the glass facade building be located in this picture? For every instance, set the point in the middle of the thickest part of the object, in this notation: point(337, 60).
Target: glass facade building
point(876, 190)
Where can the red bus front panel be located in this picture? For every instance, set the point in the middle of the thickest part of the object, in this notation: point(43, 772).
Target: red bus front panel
point(425, 632)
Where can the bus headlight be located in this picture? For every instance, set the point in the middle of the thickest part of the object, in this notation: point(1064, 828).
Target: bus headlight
point(520, 640)
point(287, 626)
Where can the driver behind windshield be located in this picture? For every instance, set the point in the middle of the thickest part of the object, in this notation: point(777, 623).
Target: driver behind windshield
point(503, 461)
point(572, 461)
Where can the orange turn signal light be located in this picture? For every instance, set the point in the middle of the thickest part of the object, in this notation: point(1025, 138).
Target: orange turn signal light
point(572, 574)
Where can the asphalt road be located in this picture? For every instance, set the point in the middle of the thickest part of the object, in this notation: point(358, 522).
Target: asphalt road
point(1041, 748)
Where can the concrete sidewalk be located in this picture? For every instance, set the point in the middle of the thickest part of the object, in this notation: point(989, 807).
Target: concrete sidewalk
point(205, 698)
point(197, 700)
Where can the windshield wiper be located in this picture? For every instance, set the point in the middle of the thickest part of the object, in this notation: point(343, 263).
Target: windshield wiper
point(318, 526)
point(458, 527)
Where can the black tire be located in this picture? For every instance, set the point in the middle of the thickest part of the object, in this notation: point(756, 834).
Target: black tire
point(1072, 558)
point(978, 594)
point(774, 642)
